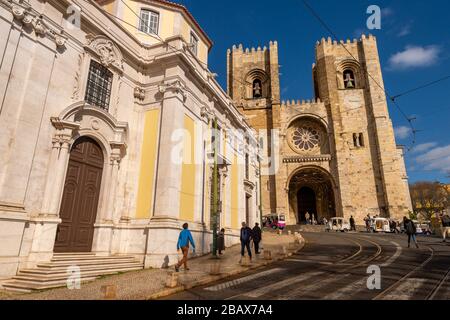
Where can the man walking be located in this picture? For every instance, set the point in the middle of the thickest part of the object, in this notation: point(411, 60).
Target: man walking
point(352, 224)
point(184, 239)
point(246, 236)
point(411, 231)
point(445, 226)
point(257, 236)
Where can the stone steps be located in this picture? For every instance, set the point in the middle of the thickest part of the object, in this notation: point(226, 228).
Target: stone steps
point(55, 273)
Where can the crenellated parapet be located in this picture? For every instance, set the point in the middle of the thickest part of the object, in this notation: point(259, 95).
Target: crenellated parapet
point(300, 103)
point(330, 42)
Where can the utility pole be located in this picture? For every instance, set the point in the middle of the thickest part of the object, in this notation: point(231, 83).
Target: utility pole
point(215, 188)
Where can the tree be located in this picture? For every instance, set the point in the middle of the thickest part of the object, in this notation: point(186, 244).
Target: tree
point(429, 198)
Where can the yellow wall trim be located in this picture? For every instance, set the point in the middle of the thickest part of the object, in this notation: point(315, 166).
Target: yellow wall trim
point(144, 208)
point(187, 194)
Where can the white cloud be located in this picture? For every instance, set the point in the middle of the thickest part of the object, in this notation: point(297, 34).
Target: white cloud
point(436, 159)
point(402, 132)
point(424, 147)
point(415, 56)
point(405, 30)
point(387, 12)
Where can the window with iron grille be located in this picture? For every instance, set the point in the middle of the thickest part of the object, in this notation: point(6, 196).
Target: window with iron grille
point(98, 91)
point(149, 21)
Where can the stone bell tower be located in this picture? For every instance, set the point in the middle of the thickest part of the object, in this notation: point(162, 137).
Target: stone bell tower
point(368, 165)
point(253, 83)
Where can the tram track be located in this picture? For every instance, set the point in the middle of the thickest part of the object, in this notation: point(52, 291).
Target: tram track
point(335, 275)
point(396, 284)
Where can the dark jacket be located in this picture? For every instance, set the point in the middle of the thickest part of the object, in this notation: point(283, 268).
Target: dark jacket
point(352, 221)
point(221, 241)
point(410, 227)
point(446, 221)
point(257, 234)
point(246, 234)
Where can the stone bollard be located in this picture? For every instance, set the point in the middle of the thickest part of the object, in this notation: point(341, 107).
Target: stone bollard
point(109, 292)
point(298, 238)
point(172, 280)
point(214, 268)
point(267, 255)
point(283, 250)
point(245, 261)
point(289, 232)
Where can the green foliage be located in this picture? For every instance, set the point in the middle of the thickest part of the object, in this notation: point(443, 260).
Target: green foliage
point(413, 215)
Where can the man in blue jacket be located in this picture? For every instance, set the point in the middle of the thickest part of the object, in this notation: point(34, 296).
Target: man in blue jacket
point(246, 237)
point(184, 239)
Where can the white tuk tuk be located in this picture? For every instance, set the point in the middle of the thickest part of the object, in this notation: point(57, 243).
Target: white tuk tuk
point(381, 225)
point(338, 224)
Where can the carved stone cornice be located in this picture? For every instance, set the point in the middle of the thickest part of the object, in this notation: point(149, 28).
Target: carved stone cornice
point(207, 114)
point(303, 159)
point(139, 94)
point(175, 87)
point(105, 50)
point(24, 14)
point(249, 186)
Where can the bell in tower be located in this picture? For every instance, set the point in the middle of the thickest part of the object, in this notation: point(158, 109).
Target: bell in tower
point(257, 90)
point(349, 80)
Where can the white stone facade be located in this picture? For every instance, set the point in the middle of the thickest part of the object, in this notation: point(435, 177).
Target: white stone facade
point(43, 79)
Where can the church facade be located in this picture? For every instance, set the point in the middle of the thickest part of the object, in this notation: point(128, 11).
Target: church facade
point(106, 134)
point(334, 155)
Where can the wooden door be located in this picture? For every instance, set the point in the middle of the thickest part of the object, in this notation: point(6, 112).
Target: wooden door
point(80, 198)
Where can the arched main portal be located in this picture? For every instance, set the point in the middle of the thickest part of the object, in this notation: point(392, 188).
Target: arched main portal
point(306, 200)
point(311, 191)
point(80, 197)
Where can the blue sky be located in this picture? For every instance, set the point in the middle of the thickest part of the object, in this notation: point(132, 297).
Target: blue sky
point(414, 43)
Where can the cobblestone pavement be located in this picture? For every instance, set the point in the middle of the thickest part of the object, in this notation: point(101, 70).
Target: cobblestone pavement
point(144, 284)
point(335, 266)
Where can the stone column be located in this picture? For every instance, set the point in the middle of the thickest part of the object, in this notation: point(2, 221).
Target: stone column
point(111, 198)
point(164, 226)
point(57, 168)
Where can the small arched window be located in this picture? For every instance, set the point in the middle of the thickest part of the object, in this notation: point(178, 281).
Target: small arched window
point(257, 89)
point(349, 79)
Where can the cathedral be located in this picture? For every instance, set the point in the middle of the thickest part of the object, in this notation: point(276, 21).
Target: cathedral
point(107, 137)
point(334, 155)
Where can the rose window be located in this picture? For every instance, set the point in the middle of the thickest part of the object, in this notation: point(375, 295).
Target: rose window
point(305, 137)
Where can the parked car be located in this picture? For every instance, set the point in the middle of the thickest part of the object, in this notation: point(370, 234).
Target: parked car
point(338, 224)
point(421, 227)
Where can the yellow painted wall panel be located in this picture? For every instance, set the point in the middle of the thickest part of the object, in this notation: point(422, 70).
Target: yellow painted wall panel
point(144, 208)
point(235, 193)
point(187, 194)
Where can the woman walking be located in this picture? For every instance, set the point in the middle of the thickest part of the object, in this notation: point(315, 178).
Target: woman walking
point(411, 231)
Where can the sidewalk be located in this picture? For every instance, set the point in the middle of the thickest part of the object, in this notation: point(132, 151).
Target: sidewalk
point(151, 284)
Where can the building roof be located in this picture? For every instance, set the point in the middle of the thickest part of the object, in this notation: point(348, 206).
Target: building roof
point(176, 6)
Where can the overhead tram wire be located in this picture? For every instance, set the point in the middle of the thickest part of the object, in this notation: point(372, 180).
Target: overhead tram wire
point(421, 87)
point(408, 119)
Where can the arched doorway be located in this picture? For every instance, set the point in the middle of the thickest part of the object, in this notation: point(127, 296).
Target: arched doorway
point(306, 198)
point(311, 190)
point(80, 197)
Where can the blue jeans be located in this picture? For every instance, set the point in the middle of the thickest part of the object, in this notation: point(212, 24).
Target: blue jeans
point(246, 245)
point(413, 237)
